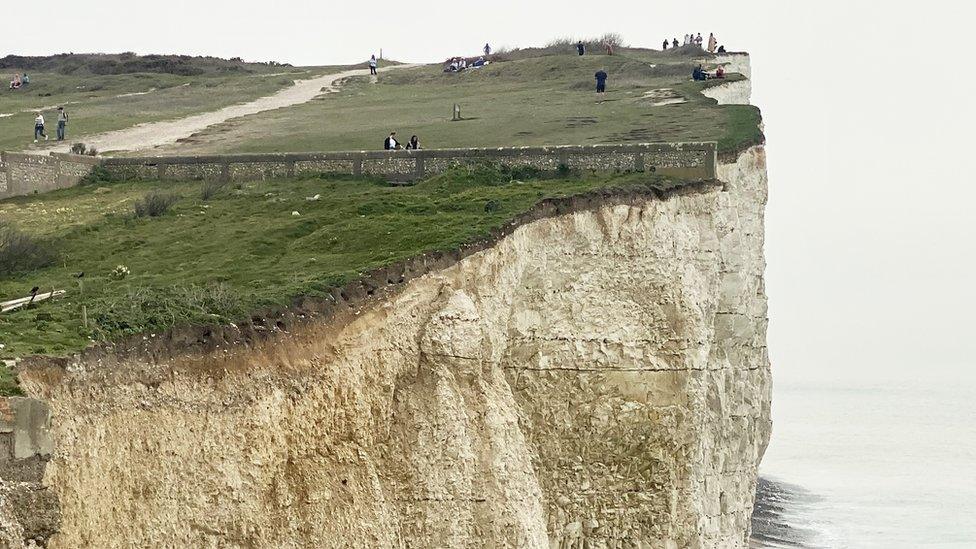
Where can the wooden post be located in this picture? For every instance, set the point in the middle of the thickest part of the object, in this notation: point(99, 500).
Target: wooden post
point(84, 316)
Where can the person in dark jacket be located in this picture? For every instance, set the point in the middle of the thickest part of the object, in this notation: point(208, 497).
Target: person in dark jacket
point(675, 43)
point(390, 143)
point(414, 143)
point(580, 47)
point(665, 46)
point(601, 81)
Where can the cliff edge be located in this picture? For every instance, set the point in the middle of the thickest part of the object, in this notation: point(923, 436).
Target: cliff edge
point(597, 377)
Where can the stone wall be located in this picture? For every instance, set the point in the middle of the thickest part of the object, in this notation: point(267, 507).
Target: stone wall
point(22, 174)
point(693, 160)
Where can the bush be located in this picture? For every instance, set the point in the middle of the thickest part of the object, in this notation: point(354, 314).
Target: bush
point(98, 176)
point(20, 252)
point(159, 308)
point(209, 189)
point(154, 204)
point(81, 148)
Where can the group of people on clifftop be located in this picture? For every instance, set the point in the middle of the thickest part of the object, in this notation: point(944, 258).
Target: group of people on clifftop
point(696, 40)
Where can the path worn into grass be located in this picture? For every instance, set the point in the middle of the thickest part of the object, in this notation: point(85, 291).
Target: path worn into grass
point(155, 134)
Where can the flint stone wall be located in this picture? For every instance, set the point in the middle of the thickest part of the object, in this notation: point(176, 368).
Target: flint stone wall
point(23, 174)
point(693, 160)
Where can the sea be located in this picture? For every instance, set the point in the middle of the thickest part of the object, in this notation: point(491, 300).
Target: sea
point(886, 461)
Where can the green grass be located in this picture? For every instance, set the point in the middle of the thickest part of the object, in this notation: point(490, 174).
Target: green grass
point(94, 105)
point(542, 100)
point(242, 249)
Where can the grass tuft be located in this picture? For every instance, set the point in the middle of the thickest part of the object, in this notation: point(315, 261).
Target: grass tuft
point(154, 204)
point(20, 252)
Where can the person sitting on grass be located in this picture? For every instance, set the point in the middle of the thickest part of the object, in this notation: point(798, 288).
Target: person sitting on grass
point(479, 63)
point(601, 81)
point(699, 74)
point(720, 72)
point(414, 143)
point(15, 83)
point(39, 127)
point(25, 80)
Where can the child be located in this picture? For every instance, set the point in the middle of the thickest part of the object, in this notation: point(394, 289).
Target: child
point(39, 127)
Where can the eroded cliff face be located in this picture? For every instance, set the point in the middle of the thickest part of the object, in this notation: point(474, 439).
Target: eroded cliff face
point(598, 377)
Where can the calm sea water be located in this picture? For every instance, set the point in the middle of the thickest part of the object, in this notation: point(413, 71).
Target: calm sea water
point(883, 463)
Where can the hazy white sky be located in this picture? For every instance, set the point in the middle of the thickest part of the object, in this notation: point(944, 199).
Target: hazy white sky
point(870, 231)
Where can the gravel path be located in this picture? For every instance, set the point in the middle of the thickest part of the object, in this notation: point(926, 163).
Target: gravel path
point(154, 134)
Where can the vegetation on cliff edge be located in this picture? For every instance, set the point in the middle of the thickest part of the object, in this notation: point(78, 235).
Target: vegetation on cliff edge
point(242, 247)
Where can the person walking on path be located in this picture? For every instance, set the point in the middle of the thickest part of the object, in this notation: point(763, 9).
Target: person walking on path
point(39, 127)
point(390, 143)
point(712, 42)
point(601, 81)
point(372, 65)
point(487, 49)
point(580, 47)
point(62, 122)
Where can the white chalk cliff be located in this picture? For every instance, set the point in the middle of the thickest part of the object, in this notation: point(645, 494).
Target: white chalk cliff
point(594, 379)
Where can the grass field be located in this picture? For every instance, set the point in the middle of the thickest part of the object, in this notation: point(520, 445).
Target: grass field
point(103, 102)
point(530, 100)
point(178, 276)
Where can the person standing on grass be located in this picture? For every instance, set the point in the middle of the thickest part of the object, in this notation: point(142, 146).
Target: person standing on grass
point(712, 42)
point(675, 43)
point(601, 81)
point(372, 65)
point(62, 122)
point(698, 40)
point(580, 48)
point(39, 127)
point(609, 48)
point(487, 49)
point(665, 46)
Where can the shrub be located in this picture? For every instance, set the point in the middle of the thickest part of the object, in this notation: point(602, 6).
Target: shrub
point(143, 309)
point(209, 189)
point(98, 176)
point(81, 148)
point(20, 252)
point(154, 204)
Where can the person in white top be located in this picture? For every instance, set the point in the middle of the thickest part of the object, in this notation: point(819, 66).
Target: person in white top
point(39, 127)
point(372, 65)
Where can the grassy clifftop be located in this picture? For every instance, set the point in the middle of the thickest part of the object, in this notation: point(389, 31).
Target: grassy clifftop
point(243, 249)
point(529, 98)
point(110, 92)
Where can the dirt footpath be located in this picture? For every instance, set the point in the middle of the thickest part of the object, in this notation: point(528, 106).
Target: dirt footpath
point(155, 134)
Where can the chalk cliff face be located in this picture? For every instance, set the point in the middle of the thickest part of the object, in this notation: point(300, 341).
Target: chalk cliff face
point(596, 377)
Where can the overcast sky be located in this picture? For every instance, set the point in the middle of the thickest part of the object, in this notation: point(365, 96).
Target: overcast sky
point(870, 232)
